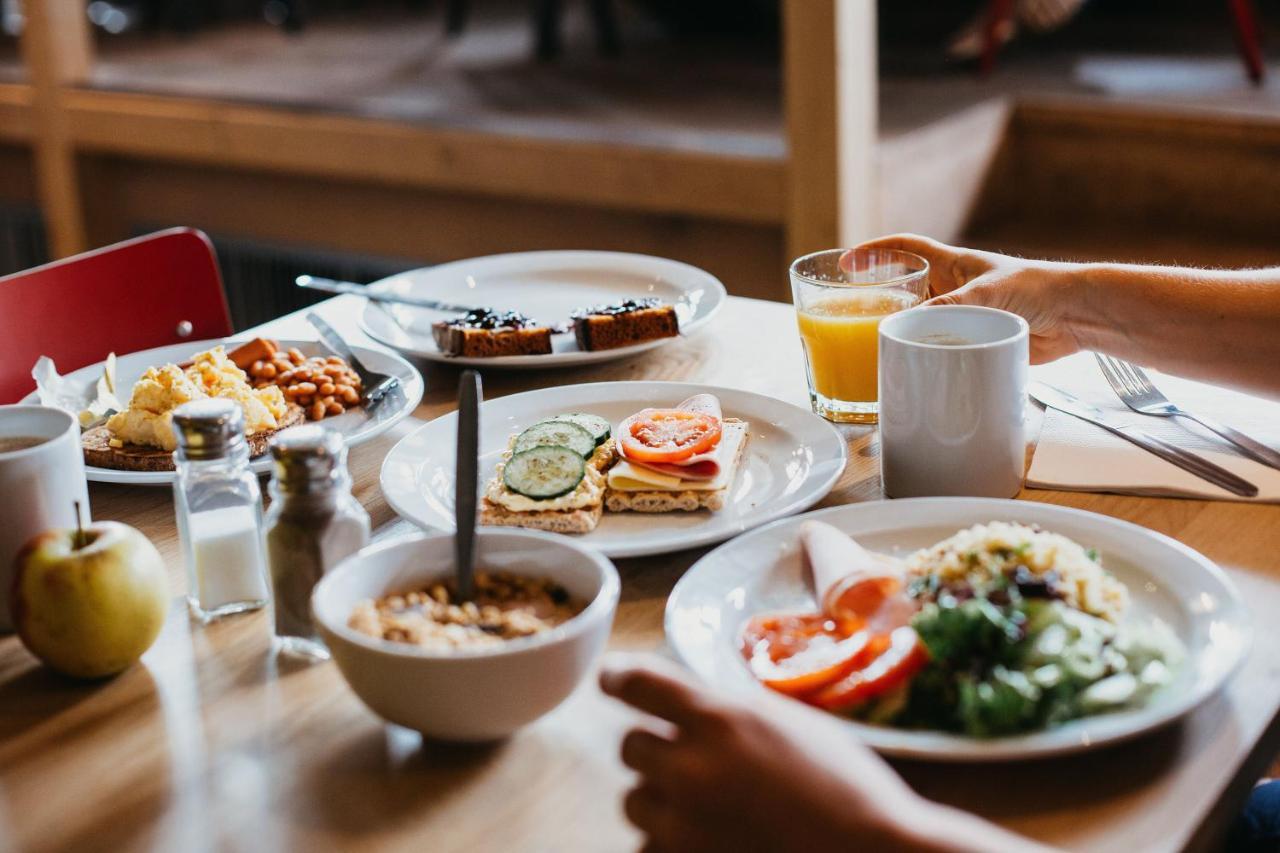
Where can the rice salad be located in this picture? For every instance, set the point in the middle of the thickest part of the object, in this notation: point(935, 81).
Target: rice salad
point(1025, 629)
point(987, 554)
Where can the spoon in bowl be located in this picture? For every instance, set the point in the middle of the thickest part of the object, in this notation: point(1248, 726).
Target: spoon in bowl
point(466, 481)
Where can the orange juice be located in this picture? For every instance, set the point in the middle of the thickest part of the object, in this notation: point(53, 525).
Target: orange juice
point(840, 334)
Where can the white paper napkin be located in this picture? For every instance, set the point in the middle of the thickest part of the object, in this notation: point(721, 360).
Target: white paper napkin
point(1075, 455)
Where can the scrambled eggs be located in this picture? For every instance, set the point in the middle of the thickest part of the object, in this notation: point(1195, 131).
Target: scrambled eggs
point(149, 419)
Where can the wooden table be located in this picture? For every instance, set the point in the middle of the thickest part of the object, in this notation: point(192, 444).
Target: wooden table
point(214, 744)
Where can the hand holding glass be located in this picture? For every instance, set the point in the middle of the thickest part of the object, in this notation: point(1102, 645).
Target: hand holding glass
point(841, 295)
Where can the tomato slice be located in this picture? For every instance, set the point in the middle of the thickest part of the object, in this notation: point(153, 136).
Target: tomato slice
point(904, 656)
point(797, 654)
point(668, 435)
point(876, 602)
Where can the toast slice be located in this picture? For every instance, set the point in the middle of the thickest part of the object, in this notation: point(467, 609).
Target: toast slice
point(99, 453)
point(688, 500)
point(490, 343)
point(613, 329)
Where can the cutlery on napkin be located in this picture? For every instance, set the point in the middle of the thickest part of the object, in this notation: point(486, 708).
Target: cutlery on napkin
point(1076, 456)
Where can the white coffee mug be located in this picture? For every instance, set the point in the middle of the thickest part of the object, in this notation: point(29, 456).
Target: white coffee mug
point(953, 392)
point(39, 484)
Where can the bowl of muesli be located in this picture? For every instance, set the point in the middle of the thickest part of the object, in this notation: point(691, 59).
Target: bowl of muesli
point(479, 669)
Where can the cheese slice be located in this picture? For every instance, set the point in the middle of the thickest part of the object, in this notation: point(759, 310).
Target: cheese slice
point(626, 477)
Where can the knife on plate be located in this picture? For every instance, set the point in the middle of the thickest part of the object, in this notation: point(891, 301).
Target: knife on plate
point(328, 285)
point(1184, 459)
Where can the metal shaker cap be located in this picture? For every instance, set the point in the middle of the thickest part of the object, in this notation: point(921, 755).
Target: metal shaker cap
point(308, 459)
point(208, 429)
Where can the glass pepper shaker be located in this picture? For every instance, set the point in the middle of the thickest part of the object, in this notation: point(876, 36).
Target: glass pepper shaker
point(312, 525)
point(219, 510)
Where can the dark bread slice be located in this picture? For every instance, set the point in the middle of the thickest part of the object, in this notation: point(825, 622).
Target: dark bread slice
point(610, 331)
point(490, 343)
point(99, 453)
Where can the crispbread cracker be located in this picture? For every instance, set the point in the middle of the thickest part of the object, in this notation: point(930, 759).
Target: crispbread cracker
point(555, 521)
point(580, 520)
point(689, 500)
point(99, 453)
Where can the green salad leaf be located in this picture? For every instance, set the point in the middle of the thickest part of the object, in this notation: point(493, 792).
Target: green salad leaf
point(1003, 664)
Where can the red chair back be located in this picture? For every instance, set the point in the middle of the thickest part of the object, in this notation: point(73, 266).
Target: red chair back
point(131, 296)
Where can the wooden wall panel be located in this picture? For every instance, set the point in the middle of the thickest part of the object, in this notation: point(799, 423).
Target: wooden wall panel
point(412, 223)
point(17, 175)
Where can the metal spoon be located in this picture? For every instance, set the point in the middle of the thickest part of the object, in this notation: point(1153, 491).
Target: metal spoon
point(465, 481)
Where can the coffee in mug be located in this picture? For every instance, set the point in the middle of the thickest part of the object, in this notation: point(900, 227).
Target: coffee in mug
point(953, 393)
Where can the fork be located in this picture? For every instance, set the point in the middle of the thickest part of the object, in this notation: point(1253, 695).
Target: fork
point(1135, 390)
point(376, 385)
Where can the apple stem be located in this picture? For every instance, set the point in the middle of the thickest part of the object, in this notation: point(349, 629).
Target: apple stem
point(79, 539)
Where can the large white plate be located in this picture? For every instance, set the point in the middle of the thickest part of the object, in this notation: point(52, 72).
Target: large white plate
point(357, 425)
point(792, 460)
point(761, 572)
point(546, 286)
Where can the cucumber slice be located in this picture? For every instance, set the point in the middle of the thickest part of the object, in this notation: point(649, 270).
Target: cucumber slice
point(544, 472)
point(556, 434)
point(594, 424)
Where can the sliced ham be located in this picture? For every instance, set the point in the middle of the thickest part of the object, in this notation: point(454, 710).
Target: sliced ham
point(704, 466)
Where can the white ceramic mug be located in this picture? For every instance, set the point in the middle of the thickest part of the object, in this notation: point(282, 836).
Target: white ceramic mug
point(953, 392)
point(39, 485)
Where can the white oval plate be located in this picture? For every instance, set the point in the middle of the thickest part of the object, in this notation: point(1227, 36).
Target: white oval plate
point(792, 460)
point(546, 286)
point(761, 572)
point(358, 426)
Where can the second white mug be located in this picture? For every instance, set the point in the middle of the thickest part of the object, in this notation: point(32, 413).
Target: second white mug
point(953, 392)
point(41, 480)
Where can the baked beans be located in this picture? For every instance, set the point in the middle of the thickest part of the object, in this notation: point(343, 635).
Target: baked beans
point(322, 386)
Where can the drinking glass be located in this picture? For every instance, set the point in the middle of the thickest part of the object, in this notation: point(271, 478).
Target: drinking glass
point(841, 295)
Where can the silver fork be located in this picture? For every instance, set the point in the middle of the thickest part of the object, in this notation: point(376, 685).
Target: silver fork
point(1135, 390)
point(376, 385)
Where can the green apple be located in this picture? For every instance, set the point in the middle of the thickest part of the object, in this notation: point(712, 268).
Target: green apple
point(89, 602)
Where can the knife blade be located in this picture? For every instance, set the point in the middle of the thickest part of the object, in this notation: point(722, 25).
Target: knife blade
point(328, 285)
point(1190, 462)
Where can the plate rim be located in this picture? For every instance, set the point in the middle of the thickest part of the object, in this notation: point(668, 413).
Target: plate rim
point(568, 359)
point(690, 542)
point(261, 465)
point(942, 747)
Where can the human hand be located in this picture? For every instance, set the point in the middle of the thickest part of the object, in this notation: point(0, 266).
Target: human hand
point(772, 775)
point(1032, 289)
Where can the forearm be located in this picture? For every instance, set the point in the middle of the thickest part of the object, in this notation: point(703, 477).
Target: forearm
point(940, 829)
point(1216, 325)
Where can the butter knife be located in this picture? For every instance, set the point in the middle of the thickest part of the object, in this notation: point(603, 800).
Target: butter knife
point(328, 285)
point(1184, 459)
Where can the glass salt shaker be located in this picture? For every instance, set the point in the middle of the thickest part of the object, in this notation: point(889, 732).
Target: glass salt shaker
point(313, 523)
point(219, 510)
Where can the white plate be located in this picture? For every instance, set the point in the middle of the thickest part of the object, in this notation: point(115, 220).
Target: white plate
point(792, 460)
point(761, 572)
point(546, 286)
point(358, 426)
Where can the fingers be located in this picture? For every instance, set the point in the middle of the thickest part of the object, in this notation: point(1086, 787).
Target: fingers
point(665, 694)
point(921, 245)
point(645, 752)
point(972, 293)
point(950, 267)
point(660, 821)
point(669, 827)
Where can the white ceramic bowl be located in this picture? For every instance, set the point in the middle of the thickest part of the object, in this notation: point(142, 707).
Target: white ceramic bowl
point(469, 694)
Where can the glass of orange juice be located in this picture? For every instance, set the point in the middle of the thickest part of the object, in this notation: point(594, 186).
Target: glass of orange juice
point(841, 295)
